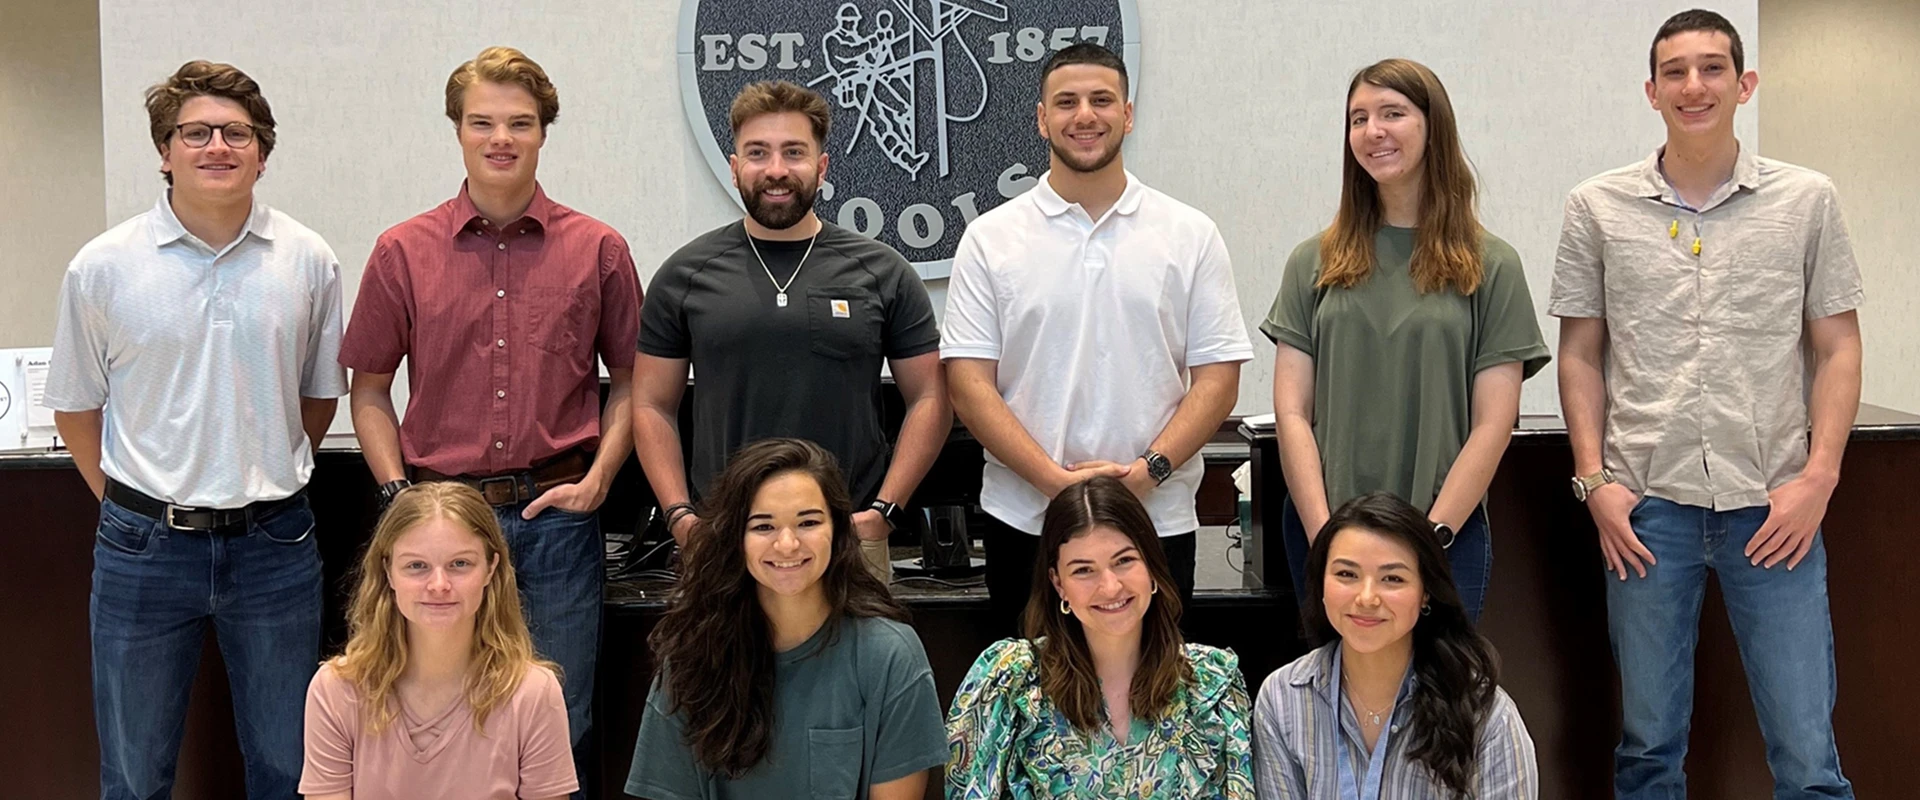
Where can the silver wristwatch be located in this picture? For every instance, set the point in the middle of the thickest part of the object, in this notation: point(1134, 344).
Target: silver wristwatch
point(1583, 486)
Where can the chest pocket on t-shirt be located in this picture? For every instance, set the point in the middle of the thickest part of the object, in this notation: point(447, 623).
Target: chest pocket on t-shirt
point(556, 318)
point(833, 763)
point(843, 322)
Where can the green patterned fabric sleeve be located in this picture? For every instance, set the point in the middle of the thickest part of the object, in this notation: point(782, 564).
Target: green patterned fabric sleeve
point(1223, 716)
point(985, 719)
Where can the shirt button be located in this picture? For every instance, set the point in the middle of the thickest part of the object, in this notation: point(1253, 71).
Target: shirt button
point(503, 245)
point(523, 230)
point(500, 293)
point(500, 343)
point(499, 445)
point(499, 393)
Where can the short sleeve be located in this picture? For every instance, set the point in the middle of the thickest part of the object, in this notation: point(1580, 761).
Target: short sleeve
point(1579, 286)
point(663, 765)
point(321, 376)
point(1221, 715)
point(984, 722)
point(911, 736)
point(620, 300)
point(1290, 320)
point(972, 325)
point(1507, 329)
point(546, 749)
point(1833, 276)
point(910, 327)
point(332, 724)
point(381, 326)
point(1216, 333)
point(1277, 773)
point(77, 374)
point(663, 318)
point(1506, 769)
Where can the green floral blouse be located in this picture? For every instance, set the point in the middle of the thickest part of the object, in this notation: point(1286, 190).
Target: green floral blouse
point(1006, 739)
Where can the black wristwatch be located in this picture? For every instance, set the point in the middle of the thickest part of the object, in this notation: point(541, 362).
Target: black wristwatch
point(390, 490)
point(1158, 467)
point(1444, 533)
point(894, 513)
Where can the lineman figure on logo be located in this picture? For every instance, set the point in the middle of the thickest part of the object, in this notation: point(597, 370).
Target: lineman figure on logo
point(871, 76)
point(785, 318)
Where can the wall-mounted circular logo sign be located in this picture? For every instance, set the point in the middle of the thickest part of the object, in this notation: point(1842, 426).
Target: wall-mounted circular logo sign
point(933, 100)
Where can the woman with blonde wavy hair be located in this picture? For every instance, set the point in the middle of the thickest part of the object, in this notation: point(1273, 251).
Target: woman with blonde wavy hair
point(439, 693)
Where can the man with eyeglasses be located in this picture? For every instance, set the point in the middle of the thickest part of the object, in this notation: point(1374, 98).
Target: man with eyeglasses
point(194, 372)
point(502, 302)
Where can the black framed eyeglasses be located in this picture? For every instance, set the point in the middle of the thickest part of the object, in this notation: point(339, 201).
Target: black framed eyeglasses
point(237, 135)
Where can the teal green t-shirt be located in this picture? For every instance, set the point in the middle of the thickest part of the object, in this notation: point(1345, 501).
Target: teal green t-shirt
point(847, 714)
point(1393, 369)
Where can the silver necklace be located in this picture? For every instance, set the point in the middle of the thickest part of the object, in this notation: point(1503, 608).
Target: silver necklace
point(1373, 717)
point(780, 290)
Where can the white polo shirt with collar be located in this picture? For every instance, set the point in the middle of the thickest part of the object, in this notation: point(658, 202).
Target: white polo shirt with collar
point(200, 357)
point(1095, 324)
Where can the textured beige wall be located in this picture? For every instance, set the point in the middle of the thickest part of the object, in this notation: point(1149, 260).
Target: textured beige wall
point(50, 154)
point(1842, 86)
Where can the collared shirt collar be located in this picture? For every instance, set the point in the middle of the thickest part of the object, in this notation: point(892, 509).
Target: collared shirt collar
point(465, 212)
point(167, 228)
point(1746, 175)
point(1053, 205)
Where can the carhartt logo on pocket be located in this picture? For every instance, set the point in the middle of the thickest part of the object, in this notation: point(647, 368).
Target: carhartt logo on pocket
point(840, 310)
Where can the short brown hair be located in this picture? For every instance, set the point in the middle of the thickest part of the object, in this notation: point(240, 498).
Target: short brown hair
point(199, 78)
point(1697, 19)
point(761, 98)
point(508, 66)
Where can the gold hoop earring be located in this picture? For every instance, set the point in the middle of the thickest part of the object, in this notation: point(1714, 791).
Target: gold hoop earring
point(1064, 608)
point(1155, 589)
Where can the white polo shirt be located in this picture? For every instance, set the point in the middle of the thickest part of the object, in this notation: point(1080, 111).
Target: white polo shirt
point(1095, 324)
point(199, 357)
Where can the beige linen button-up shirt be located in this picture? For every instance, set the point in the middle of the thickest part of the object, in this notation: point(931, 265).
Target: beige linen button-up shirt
point(1706, 361)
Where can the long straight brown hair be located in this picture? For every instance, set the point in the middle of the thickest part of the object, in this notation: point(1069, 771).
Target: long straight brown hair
point(715, 645)
point(1447, 246)
point(1067, 676)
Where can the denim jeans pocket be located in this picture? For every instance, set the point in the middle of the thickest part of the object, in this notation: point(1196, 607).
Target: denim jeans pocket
point(293, 525)
point(124, 531)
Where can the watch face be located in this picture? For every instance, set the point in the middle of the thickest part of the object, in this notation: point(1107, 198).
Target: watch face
point(1579, 490)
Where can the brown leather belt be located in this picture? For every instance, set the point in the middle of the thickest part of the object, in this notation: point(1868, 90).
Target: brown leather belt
point(519, 487)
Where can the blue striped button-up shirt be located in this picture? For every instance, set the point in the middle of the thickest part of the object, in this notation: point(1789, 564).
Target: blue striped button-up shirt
point(1294, 740)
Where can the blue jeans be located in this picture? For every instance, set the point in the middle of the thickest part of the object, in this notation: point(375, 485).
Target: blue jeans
point(1786, 643)
point(1471, 556)
point(155, 589)
point(557, 557)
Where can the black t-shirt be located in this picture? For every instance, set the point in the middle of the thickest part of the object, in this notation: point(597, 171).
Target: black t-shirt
point(810, 370)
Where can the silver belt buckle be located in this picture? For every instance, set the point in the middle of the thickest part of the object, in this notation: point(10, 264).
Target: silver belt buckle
point(171, 523)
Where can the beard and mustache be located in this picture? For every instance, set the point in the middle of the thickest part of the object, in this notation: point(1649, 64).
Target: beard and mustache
point(1088, 163)
point(780, 216)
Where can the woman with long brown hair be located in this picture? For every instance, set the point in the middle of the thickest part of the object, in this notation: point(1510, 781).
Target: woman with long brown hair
point(1102, 700)
point(439, 693)
point(784, 668)
point(1402, 332)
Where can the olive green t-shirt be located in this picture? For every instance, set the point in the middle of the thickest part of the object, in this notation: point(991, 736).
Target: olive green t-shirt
point(1393, 368)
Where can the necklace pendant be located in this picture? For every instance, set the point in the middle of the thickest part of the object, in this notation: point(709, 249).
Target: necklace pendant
point(780, 299)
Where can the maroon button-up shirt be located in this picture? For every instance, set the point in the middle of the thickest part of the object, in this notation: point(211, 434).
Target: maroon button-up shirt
point(500, 329)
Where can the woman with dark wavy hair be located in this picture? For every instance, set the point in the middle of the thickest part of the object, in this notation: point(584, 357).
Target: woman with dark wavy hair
point(1102, 700)
point(784, 668)
point(1403, 701)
